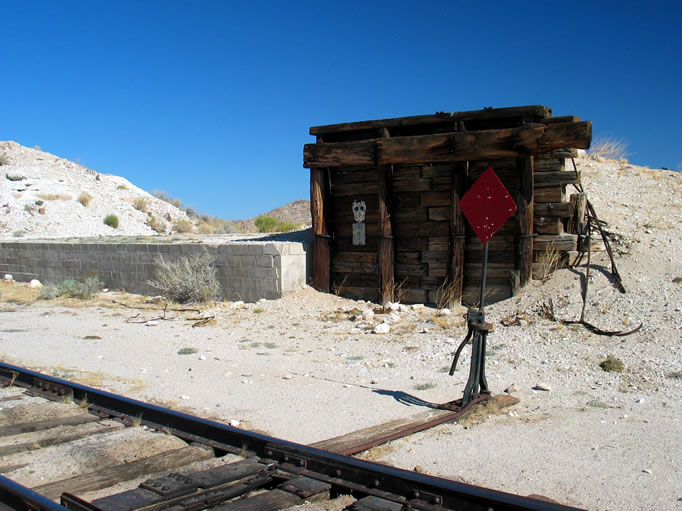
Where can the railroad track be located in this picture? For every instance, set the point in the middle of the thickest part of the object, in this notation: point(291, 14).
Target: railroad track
point(68, 446)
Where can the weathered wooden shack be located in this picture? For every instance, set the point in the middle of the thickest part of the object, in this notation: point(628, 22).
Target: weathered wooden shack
point(385, 202)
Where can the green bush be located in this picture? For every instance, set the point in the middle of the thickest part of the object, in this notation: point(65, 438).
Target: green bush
point(111, 221)
point(270, 224)
point(187, 280)
point(82, 289)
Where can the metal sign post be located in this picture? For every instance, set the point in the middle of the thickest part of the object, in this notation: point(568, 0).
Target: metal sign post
point(487, 206)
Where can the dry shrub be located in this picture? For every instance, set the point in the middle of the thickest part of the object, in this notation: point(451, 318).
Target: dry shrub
point(205, 228)
point(445, 294)
point(187, 280)
point(610, 148)
point(84, 198)
point(54, 196)
point(183, 226)
point(156, 224)
point(121, 187)
point(549, 260)
point(140, 204)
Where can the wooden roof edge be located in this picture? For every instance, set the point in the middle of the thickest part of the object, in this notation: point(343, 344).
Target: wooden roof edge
point(537, 111)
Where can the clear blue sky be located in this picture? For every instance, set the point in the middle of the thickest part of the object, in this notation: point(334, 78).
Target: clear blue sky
point(211, 101)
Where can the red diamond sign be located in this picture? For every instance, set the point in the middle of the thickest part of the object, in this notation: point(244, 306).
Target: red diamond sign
point(487, 205)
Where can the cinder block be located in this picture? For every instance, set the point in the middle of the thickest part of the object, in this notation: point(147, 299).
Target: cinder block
point(262, 273)
point(264, 261)
point(255, 249)
point(273, 249)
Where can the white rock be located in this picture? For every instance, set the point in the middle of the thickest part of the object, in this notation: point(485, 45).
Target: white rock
point(403, 308)
point(542, 386)
point(383, 328)
point(368, 314)
point(287, 377)
point(151, 323)
point(184, 397)
point(417, 306)
point(35, 284)
point(202, 357)
point(443, 312)
point(9, 276)
point(392, 306)
point(234, 423)
point(393, 318)
point(512, 388)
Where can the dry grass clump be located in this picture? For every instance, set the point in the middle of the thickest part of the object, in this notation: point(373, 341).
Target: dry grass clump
point(549, 261)
point(85, 198)
point(82, 289)
point(187, 280)
point(54, 196)
point(205, 228)
point(121, 187)
point(14, 292)
point(609, 148)
point(183, 226)
point(141, 204)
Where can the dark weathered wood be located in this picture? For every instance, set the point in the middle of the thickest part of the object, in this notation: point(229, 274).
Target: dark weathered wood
point(524, 220)
point(555, 209)
point(451, 147)
point(60, 436)
point(321, 256)
point(515, 282)
point(269, 501)
point(560, 119)
point(545, 179)
point(339, 153)
point(113, 475)
point(457, 233)
point(548, 225)
point(386, 261)
point(552, 194)
point(477, 145)
point(532, 111)
point(561, 242)
point(29, 427)
point(576, 223)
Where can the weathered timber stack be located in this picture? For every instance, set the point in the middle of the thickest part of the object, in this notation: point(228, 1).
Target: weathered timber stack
point(385, 202)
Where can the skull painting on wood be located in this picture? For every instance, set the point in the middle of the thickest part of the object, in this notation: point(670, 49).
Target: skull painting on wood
point(359, 212)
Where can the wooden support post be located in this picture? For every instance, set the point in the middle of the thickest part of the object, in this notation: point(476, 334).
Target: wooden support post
point(457, 233)
point(386, 264)
point(524, 219)
point(321, 260)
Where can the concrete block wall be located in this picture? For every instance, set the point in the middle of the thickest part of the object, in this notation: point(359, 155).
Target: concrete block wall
point(247, 271)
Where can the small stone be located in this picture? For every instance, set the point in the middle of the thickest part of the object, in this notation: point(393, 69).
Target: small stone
point(392, 306)
point(262, 300)
point(403, 308)
point(393, 318)
point(646, 471)
point(512, 388)
point(184, 397)
point(202, 357)
point(542, 386)
point(9, 276)
point(443, 312)
point(417, 306)
point(35, 284)
point(41, 211)
point(383, 328)
point(234, 423)
point(151, 323)
point(373, 382)
point(523, 322)
point(367, 314)
point(419, 469)
point(287, 377)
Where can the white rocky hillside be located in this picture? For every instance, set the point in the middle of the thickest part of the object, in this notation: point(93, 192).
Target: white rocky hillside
point(45, 196)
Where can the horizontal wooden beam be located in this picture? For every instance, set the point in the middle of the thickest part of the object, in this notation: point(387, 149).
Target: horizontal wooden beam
point(533, 111)
point(451, 147)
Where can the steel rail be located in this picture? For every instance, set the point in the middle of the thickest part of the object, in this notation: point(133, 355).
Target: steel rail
point(361, 475)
